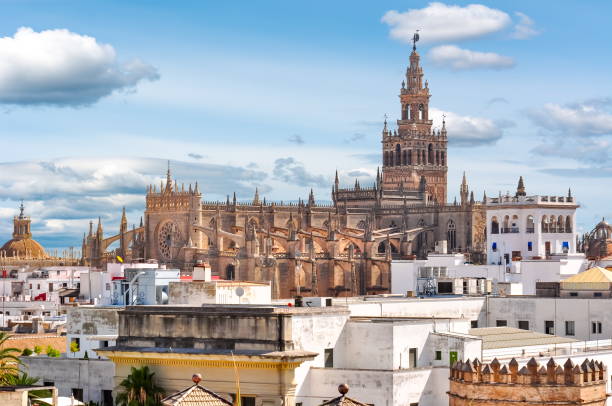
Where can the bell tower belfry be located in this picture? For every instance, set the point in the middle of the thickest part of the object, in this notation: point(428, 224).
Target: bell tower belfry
point(414, 149)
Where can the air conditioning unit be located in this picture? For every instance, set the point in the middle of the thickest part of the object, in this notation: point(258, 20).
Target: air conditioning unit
point(317, 301)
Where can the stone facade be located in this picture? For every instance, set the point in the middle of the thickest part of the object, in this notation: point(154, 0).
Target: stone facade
point(308, 248)
point(477, 384)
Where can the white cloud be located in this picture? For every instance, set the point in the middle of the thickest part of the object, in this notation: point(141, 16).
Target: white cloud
point(525, 28)
point(459, 59)
point(588, 118)
point(439, 22)
point(464, 131)
point(59, 67)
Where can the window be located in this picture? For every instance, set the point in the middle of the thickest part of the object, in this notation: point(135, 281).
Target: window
point(565, 247)
point(438, 355)
point(494, 247)
point(50, 287)
point(530, 225)
point(501, 323)
point(596, 294)
point(77, 393)
point(107, 397)
point(529, 246)
point(412, 358)
point(549, 327)
point(494, 225)
point(104, 344)
point(573, 293)
point(329, 358)
point(451, 235)
point(570, 328)
point(244, 400)
point(596, 327)
point(474, 324)
point(523, 324)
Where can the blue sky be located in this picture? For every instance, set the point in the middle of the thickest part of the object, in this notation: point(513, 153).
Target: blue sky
point(96, 96)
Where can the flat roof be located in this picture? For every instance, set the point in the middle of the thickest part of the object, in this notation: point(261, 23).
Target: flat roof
point(504, 337)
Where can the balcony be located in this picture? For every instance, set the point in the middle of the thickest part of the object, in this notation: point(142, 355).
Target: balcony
point(530, 230)
point(510, 230)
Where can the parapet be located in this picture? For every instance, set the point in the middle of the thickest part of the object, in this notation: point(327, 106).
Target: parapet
point(589, 372)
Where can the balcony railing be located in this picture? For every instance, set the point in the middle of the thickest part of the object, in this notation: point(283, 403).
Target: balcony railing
point(510, 230)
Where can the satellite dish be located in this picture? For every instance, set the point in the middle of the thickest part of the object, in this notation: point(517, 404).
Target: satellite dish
point(239, 291)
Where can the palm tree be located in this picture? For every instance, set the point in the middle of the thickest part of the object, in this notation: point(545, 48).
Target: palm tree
point(139, 389)
point(24, 379)
point(9, 361)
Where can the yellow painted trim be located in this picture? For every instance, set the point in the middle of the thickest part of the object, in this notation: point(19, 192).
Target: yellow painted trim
point(190, 360)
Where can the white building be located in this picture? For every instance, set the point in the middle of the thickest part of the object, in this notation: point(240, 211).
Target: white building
point(529, 227)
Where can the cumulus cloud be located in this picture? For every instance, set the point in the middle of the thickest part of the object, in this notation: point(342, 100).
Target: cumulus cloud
point(62, 195)
point(525, 28)
point(460, 59)
point(440, 22)
point(296, 139)
point(291, 171)
point(62, 68)
point(580, 131)
point(195, 156)
point(465, 131)
point(357, 173)
point(589, 118)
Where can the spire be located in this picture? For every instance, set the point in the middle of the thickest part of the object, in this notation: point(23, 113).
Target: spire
point(90, 228)
point(377, 177)
point(569, 193)
point(336, 181)
point(196, 191)
point(168, 179)
point(520, 190)
point(311, 199)
point(484, 197)
point(415, 39)
point(234, 199)
point(256, 197)
point(99, 230)
point(472, 201)
point(141, 224)
point(124, 224)
point(464, 190)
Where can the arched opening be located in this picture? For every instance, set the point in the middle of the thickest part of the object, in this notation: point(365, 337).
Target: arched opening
point(398, 154)
point(451, 235)
point(545, 225)
point(230, 272)
point(430, 154)
point(405, 157)
point(381, 248)
point(421, 111)
point(442, 158)
point(560, 224)
point(530, 226)
point(506, 225)
point(385, 158)
point(494, 225)
point(437, 157)
point(568, 224)
point(409, 156)
point(553, 224)
point(515, 224)
point(405, 112)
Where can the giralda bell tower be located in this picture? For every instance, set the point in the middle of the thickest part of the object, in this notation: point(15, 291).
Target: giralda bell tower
point(414, 150)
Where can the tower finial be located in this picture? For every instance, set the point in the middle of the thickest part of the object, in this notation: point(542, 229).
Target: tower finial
point(21, 209)
point(415, 39)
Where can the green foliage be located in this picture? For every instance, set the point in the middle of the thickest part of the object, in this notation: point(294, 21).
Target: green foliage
point(52, 352)
point(9, 361)
point(74, 347)
point(86, 356)
point(139, 389)
point(24, 379)
point(26, 352)
point(37, 349)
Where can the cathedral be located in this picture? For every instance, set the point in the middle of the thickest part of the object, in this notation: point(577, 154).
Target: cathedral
point(308, 248)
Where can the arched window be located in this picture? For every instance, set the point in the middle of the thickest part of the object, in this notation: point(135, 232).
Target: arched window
point(398, 155)
point(230, 272)
point(442, 162)
point(560, 224)
point(568, 224)
point(421, 111)
point(405, 112)
point(530, 226)
point(451, 235)
point(382, 247)
point(553, 224)
point(409, 156)
point(421, 223)
point(545, 225)
point(391, 158)
point(405, 157)
point(506, 225)
point(430, 155)
point(437, 157)
point(494, 225)
point(515, 224)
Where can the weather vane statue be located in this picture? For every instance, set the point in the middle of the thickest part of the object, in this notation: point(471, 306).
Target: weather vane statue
point(415, 39)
